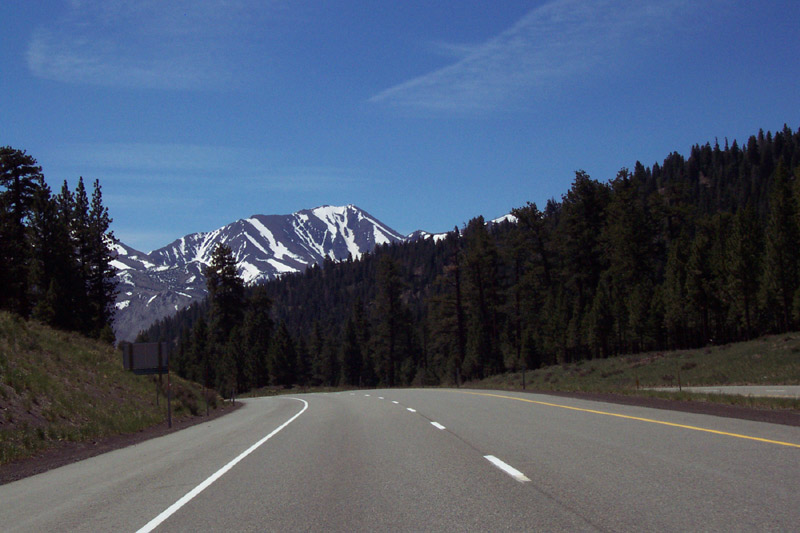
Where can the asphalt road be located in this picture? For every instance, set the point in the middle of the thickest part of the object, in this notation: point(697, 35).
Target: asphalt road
point(429, 460)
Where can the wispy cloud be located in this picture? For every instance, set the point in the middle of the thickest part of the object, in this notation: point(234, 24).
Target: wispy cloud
point(245, 169)
point(180, 44)
point(550, 44)
point(168, 158)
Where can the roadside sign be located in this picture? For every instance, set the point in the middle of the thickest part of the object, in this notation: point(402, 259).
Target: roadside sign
point(146, 357)
point(149, 358)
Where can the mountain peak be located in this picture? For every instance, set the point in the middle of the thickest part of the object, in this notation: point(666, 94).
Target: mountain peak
point(160, 283)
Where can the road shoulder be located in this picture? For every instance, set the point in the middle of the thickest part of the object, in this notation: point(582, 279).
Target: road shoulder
point(771, 416)
point(72, 452)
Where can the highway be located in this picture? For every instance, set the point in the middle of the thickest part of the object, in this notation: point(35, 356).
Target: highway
point(429, 460)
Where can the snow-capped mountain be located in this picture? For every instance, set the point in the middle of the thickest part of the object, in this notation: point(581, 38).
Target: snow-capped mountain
point(155, 285)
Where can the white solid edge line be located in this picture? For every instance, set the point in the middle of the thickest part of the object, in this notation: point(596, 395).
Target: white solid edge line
point(155, 522)
point(508, 469)
point(437, 425)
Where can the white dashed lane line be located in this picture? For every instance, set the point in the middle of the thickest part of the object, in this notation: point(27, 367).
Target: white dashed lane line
point(508, 469)
point(505, 467)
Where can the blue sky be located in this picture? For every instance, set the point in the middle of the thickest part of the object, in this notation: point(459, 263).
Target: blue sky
point(195, 113)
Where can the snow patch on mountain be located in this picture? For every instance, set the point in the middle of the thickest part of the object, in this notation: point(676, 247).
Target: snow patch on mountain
point(158, 283)
point(265, 247)
point(279, 250)
point(505, 218)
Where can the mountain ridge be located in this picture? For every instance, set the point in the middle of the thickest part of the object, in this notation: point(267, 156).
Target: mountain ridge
point(156, 284)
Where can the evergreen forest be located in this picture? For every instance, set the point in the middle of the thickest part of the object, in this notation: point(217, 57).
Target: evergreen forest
point(697, 250)
point(55, 258)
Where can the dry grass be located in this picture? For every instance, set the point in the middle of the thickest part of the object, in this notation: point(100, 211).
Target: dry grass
point(57, 386)
point(770, 360)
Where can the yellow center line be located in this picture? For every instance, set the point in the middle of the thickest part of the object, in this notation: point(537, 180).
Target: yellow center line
point(640, 419)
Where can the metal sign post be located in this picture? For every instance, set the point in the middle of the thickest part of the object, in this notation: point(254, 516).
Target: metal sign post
point(169, 387)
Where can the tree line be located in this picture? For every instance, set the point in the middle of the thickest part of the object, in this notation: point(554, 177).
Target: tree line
point(55, 260)
point(697, 250)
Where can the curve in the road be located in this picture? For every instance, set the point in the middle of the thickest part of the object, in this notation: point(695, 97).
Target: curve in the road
point(155, 522)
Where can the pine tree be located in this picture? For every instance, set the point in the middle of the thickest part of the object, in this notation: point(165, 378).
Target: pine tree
point(629, 250)
point(282, 358)
point(303, 363)
point(53, 267)
point(21, 177)
point(43, 270)
point(535, 282)
point(482, 301)
point(584, 212)
point(331, 364)
point(352, 359)
point(70, 290)
point(391, 319)
point(744, 248)
point(257, 332)
point(674, 294)
point(181, 359)
point(447, 316)
point(645, 316)
point(101, 280)
point(782, 256)
point(226, 303)
point(225, 293)
point(600, 320)
point(82, 242)
point(316, 347)
point(363, 330)
point(199, 367)
point(699, 289)
point(517, 256)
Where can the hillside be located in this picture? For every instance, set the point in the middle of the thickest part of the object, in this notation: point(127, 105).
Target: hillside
point(58, 387)
point(768, 360)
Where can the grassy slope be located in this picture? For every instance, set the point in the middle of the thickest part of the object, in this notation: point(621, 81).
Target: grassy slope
point(57, 386)
point(770, 360)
